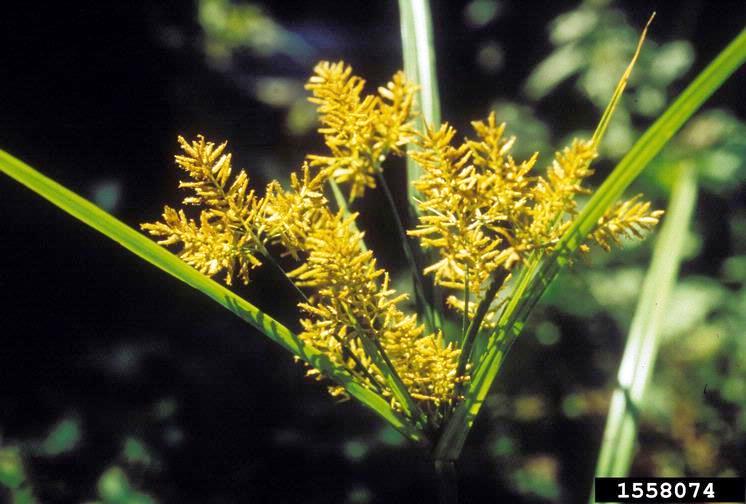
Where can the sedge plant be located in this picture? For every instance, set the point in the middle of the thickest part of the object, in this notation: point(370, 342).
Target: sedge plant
point(486, 235)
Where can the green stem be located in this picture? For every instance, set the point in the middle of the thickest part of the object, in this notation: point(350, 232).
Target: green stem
point(498, 277)
point(445, 470)
point(465, 318)
point(419, 65)
point(344, 206)
point(432, 317)
point(375, 351)
point(419, 59)
point(418, 53)
point(278, 267)
point(347, 351)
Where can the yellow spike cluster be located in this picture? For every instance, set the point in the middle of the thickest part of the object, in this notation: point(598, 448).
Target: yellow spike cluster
point(360, 131)
point(627, 219)
point(352, 303)
point(235, 225)
point(553, 197)
point(470, 194)
point(480, 209)
point(290, 216)
point(226, 237)
point(351, 300)
point(484, 211)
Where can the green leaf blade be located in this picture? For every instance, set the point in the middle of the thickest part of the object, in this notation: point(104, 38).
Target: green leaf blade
point(643, 341)
point(418, 52)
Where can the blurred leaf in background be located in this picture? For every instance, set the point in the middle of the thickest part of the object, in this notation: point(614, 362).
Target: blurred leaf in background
point(246, 25)
point(115, 488)
point(231, 29)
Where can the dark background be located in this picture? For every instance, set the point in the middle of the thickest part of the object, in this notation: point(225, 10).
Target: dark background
point(97, 92)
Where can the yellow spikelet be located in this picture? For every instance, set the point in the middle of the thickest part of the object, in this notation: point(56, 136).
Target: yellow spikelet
point(352, 302)
point(289, 216)
point(228, 237)
point(360, 131)
point(626, 219)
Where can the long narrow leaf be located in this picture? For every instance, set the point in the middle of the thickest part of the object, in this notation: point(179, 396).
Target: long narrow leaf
point(540, 274)
point(642, 344)
point(418, 51)
point(145, 248)
point(419, 55)
point(419, 64)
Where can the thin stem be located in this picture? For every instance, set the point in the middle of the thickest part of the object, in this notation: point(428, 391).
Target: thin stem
point(465, 318)
point(498, 277)
point(373, 380)
point(432, 320)
point(418, 54)
point(417, 413)
point(279, 268)
point(619, 90)
point(419, 64)
point(349, 353)
point(445, 470)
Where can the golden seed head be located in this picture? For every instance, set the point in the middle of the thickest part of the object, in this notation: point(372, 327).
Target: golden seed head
point(479, 208)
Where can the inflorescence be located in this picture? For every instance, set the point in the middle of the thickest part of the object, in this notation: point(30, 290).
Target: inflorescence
point(480, 210)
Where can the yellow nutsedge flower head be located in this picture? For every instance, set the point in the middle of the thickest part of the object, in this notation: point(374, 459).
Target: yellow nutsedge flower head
point(207, 246)
point(470, 195)
point(228, 236)
point(289, 216)
point(626, 219)
point(553, 198)
point(353, 303)
point(360, 131)
point(483, 211)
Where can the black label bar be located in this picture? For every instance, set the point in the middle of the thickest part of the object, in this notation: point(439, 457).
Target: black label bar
point(664, 490)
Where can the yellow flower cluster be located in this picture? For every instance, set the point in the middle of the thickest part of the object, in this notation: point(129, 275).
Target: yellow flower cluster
point(480, 209)
point(626, 219)
point(483, 211)
point(225, 238)
point(289, 217)
point(360, 131)
point(353, 315)
point(353, 310)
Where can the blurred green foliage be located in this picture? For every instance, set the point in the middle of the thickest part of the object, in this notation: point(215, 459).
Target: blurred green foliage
point(13, 479)
point(12, 474)
point(115, 488)
point(63, 438)
point(243, 25)
point(538, 476)
point(232, 28)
